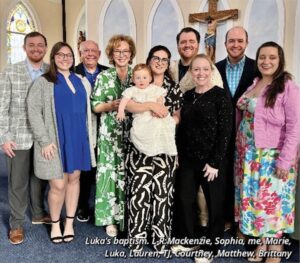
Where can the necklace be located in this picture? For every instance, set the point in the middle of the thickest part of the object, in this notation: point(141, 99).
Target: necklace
point(197, 96)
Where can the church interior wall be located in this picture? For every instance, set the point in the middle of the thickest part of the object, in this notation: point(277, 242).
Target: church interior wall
point(49, 16)
point(49, 19)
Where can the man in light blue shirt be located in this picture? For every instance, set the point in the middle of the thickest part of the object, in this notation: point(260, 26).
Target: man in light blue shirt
point(237, 72)
point(234, 73)
point(16, 139)
point(34, 72)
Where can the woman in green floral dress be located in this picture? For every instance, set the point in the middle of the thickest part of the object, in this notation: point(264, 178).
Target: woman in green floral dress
point(110, 197)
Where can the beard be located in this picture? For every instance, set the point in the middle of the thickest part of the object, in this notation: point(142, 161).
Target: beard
point(35, 58)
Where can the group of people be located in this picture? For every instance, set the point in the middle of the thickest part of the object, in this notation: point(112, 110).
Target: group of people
point(176, 148)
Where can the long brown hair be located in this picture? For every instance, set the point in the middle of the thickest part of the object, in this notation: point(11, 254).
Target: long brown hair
point(279, 78)
point(51, 74)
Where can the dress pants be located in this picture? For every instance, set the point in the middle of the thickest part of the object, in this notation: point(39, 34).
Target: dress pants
point(24, 187)
point(87, 179)
point(186, 223)
point(229, 174)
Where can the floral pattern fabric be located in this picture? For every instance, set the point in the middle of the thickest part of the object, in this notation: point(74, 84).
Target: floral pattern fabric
point(264, 204)
point(110, 196)
point(174, 95)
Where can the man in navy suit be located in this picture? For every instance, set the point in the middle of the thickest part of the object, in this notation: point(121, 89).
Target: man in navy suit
point(237, 72)
point(89, 68)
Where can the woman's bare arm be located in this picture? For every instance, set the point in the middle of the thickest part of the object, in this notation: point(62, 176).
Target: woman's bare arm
point(105, 107)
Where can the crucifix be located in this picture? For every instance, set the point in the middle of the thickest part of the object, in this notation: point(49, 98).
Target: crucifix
point(212, 17)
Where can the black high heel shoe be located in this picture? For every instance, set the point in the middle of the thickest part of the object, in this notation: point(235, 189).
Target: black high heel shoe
point(68, 238)
point(57, 239)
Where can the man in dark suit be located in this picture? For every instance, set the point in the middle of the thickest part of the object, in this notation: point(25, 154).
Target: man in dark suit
point(89, 68)
point(237, 72)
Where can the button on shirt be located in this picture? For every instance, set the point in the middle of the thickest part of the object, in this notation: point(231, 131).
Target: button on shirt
point(91, 76)
point(234, 73)
point(34, 73)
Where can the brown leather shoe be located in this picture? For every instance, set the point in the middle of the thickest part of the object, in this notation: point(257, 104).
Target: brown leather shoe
point(16, 236)
point(42, 220)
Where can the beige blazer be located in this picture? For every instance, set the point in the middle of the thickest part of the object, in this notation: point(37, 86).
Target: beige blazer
point(15, 82)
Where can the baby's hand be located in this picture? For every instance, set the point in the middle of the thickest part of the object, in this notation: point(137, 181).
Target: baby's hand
point(121, 116)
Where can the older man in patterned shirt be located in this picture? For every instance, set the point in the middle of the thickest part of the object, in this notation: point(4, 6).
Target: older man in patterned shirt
point(16, 138)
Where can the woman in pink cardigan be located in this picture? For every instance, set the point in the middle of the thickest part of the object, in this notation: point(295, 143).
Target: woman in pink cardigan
point(266, 150)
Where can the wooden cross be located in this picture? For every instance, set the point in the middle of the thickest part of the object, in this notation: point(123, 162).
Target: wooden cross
point(212, 17)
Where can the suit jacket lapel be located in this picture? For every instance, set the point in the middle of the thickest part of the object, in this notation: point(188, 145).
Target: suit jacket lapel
point(25, 74)
point(244, 80)
point(222, 70)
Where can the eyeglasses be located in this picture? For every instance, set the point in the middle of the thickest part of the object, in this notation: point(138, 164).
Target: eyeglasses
point(90, 51)
point(162, 60)
point(120, 52)
point(63, 55)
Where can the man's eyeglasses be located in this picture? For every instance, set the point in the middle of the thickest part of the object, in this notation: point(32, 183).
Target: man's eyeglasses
point(63, 55)
point(162, 60)
point(120, 52)
point(94, 51)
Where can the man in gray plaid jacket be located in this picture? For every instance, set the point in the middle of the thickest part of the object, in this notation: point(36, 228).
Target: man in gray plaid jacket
point(16, 138)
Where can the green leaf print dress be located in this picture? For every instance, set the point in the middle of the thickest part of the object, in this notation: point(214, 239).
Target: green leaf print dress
point(110, 194)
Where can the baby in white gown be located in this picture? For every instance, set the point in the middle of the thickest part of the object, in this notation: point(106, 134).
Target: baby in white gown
point(150, 135)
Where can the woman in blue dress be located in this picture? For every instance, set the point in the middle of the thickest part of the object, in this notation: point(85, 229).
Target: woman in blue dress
point(61, 121)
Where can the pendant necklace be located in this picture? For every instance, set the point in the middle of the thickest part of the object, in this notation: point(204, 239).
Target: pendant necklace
point(197, 96)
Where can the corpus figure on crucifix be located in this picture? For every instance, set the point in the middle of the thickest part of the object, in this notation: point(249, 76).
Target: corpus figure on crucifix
point(212, 17)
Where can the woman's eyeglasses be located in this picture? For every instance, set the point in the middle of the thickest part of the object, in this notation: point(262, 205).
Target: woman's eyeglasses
point(162, 60)
point(63, 55)
point(121, 52)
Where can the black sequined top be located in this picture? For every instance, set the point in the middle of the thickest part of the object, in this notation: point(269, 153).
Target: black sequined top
point(205, 127)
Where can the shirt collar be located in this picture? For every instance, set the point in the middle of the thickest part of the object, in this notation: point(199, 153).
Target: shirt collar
point(30, 67)
point(86, 71)
point(240, 64)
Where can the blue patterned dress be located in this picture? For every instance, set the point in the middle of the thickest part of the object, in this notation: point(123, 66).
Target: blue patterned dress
point(71, 114)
